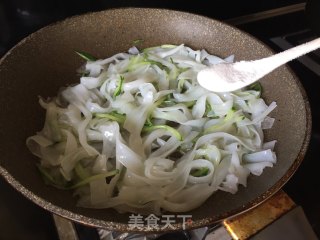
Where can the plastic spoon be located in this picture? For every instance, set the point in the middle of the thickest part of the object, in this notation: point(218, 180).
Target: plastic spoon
point(227, 77)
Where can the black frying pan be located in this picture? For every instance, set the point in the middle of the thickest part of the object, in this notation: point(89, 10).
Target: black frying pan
point(45, 61)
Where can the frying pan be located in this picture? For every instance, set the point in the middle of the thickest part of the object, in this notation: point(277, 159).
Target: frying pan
point(46, 60)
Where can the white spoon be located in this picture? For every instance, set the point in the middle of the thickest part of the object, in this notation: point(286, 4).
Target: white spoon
point(227, 77)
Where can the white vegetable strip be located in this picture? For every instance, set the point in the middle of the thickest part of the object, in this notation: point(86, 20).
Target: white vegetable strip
point(257, 168)
point(201, 163)
point(263, 156)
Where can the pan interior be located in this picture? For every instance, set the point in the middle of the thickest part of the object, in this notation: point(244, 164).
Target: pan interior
point(45, 61)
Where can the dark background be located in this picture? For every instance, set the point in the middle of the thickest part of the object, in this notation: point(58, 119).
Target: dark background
point(18, 18)
point(21, 219)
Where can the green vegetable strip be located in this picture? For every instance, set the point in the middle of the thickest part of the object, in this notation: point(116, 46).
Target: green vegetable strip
point(137, 41)
point(112, 116)
point(148, 122)
point(50, 180)
point(135, 62)
point(256, 87)
point(200, 172)
point(81, 172)
point(189, 104)
point(168, 46)
point(119, 87)
point(86, 56)
point(166, 127)
point(93, 178)
point(228, 117)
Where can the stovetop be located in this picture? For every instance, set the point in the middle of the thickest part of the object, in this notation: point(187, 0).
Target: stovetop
point(279, 30)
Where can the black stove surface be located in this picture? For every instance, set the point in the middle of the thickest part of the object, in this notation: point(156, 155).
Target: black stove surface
point(278, 32)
